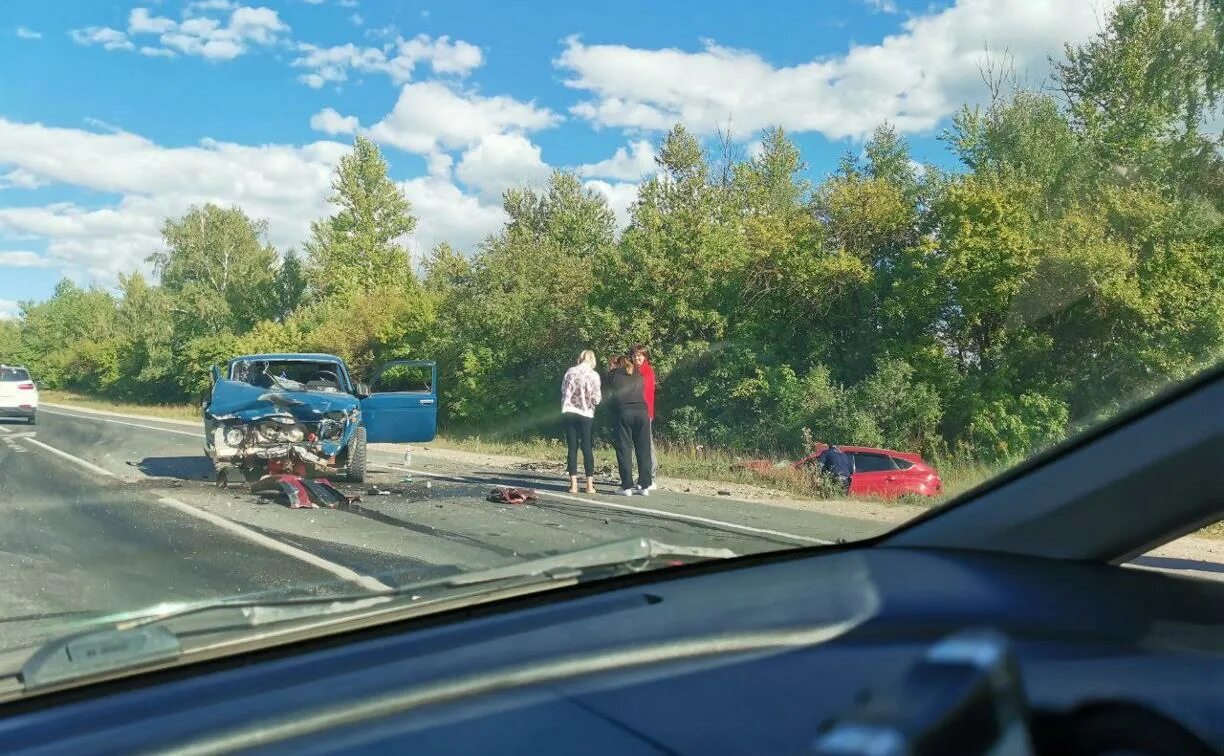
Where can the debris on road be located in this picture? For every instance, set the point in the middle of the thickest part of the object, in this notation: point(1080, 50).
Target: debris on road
point(302, 493)
point(507, 495)
point(376, 491)
point(724, 493)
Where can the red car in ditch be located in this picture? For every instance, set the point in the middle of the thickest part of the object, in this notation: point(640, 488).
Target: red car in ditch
point(883, 472)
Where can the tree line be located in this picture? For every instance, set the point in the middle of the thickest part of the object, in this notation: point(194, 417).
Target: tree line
point(1072, 264)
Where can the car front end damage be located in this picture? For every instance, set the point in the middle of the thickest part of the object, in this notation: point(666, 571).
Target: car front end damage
point(251, 431)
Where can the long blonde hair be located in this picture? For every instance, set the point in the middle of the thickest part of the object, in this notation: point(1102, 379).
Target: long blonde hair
point(625, 362)
point(587, 357)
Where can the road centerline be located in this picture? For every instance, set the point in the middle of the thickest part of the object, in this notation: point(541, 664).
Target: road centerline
point(198, 434)
point(339, 570)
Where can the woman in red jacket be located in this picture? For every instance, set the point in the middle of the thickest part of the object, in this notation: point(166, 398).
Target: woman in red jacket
point(641, 359)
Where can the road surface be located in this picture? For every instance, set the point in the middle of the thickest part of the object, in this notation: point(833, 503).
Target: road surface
point(107, 514)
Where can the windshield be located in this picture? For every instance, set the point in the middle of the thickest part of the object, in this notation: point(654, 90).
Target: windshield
point(289, 375)
point(401, 295)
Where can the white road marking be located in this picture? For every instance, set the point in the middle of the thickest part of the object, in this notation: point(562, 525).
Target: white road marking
point(72, 458)
point(644, 510)
point(339, 570)
point(4, 429)
point(198, 434)
point(609, 505)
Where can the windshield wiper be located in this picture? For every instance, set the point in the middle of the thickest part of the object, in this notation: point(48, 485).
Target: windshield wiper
point(147, 639)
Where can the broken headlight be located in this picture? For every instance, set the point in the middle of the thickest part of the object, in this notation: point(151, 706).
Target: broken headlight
point(234, 435)
point(278, 432)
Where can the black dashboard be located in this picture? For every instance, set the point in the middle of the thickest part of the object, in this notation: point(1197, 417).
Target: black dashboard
point(712, 659)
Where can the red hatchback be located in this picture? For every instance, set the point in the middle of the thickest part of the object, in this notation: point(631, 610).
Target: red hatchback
point(885, 473)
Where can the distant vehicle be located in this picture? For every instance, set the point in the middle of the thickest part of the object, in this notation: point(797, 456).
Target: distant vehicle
point(304, 414)
point(884, 472)
point(18, 394)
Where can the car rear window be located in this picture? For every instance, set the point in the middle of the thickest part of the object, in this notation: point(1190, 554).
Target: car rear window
point(14, 374)
point(902, 464)
point(872, 463)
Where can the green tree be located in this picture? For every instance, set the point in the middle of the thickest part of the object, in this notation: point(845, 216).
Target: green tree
point(359, 248)
point(217, 270)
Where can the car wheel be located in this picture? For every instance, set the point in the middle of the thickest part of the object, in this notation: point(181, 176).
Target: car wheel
point(31, 419)
point(355, 471)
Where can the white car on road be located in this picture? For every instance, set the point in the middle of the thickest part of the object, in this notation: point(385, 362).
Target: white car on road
point(18, 394)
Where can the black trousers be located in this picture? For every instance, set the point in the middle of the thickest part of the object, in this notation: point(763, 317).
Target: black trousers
point(578, 434)
point(633, 440)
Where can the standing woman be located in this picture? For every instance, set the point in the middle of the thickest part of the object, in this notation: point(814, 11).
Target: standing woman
point(632, 426)
point(580, 394)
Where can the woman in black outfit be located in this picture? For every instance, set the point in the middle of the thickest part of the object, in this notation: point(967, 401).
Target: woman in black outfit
point(632, 429)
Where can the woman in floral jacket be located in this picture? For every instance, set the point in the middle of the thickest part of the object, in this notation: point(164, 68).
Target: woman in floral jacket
point(580, 394)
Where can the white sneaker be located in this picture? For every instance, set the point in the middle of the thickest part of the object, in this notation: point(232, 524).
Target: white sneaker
point(644, 491)
point(626, 492)
point(652, 486)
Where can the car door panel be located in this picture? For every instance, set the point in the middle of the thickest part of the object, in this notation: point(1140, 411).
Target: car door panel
point(874, 475)
point(402, 406)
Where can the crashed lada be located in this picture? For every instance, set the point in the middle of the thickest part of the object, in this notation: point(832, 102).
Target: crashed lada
point(303, 414)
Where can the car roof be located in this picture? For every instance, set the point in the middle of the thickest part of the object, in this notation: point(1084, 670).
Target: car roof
point(887, 452)
point(289, 356)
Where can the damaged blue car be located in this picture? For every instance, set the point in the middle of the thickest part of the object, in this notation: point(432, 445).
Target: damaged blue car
point(303, 414)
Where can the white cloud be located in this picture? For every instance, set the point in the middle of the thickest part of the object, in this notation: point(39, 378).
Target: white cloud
point(626, 164)
point(500, 161)
point(207, 5)
point(357, 19)
point(445, 213)
point(287, 185)
point(9, 309)
point(108, 38)
point(396, 60)
point(329, 121)
point(206, 36)
point(620, 195)
point(158, 52)
point(430, 116)
point(914, 78)
point(27, 33)
point(19, 178)
point(23, 259)
point(141, 22)
point(882, 6)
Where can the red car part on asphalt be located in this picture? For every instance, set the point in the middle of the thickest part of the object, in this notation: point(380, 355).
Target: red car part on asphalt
point(883, 472)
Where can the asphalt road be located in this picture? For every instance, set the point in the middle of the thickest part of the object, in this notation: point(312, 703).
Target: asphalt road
point(107, 514)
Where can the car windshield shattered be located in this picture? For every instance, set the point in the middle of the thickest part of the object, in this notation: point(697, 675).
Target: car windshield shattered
point(403, 311)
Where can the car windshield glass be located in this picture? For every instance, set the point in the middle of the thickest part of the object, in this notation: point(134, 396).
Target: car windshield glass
point(289, 374)
point(305, 300)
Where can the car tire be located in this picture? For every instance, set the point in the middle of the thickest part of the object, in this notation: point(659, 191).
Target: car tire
point(31, 420)
point(355, 468)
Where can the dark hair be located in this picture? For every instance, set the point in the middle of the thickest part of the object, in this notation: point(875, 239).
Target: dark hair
point(639, 349)
point(625, 363)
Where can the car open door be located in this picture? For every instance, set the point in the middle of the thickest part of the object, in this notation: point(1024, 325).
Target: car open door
point(402, 402)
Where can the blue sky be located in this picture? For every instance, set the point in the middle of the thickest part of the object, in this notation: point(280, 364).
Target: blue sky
point(117, 114)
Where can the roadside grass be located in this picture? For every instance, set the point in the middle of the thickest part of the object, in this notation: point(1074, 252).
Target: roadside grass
point(174, 411)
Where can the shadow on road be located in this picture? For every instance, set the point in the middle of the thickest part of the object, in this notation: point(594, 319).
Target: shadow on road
point(182, 468)
point(1173, 563)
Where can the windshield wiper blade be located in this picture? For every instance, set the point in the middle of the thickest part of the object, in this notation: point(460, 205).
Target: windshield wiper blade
point(146, 639)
